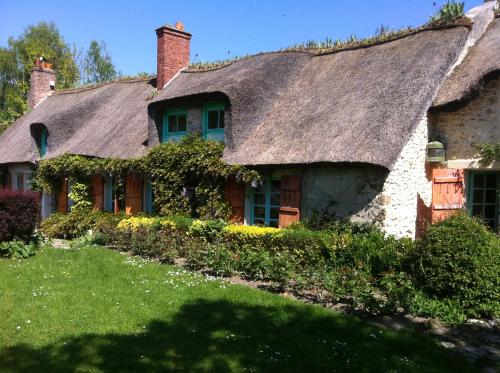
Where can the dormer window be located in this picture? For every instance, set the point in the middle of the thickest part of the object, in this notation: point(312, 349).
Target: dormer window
point(174, 124)
point(43, 142)
point(213, 121)
point(40, 138)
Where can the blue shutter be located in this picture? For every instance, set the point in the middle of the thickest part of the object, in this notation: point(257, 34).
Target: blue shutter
point(43, 143)
point(148, 196)
point(108, 194)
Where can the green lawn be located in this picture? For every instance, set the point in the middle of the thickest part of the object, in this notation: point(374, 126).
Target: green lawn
point(97, 310)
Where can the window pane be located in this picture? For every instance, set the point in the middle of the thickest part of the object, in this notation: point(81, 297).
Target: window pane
point(259, 212)
point(221, 119)
point(275, 186)
point(172, 123)
point(477, 210)
point(478, 196)
point(491, 196)
point(275, 212)
point(275, 199)
point(259, 199)
point(181, 123)
point(491, 181)
point(478, 181)
point(213, 119)
point(273, 223)
point(489, 211)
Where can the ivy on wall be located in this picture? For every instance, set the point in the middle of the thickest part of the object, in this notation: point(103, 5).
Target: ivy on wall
point(488, 153)
point(187, 176)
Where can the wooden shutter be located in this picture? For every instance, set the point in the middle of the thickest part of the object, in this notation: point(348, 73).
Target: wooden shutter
point(289, 200)
point(234, 194)
point(62, 198)
point(97, 193)
point(133, 194)
point(447, 192)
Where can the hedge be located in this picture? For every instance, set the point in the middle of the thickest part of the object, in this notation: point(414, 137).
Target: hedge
point(19, 213)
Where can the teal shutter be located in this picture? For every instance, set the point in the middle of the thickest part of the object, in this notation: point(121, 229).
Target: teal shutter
point(213, 121)
point(108, 194)
point(174, 124)
point(148, 196)
point(43, 143)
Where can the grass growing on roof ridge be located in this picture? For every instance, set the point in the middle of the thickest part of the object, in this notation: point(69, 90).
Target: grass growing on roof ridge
point(382, 35)
point(97, 310)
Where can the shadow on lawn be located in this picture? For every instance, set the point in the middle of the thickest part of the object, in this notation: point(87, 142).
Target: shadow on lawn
point(221, 336)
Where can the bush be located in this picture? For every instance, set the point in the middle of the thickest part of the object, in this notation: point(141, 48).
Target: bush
point(78, 223)
point(459, 259)
point(17, 249)
point(372, 252)
point(208, 230)
point(18, 215)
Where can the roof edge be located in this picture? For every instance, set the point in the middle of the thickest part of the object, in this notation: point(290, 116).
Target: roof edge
point(397, 35)
point(99, 85)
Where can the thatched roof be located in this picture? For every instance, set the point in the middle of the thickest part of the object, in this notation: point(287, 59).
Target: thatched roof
point(108, 120)
point(481, 64)
point(352, 106)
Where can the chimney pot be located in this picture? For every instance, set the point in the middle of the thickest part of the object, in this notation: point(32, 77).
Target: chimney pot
point(179, 26)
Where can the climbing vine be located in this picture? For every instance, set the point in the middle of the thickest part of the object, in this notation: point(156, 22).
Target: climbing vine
point(488, 153)
point(187, 176)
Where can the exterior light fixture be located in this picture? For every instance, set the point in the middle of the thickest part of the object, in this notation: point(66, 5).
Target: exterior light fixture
point(435, 152)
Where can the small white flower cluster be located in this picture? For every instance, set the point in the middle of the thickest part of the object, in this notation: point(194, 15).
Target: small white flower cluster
point(41, 291)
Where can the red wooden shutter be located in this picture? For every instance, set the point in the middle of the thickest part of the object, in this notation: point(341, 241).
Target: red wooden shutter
point(62, 198)
point(447, 192)
point(289, 200)
point(97, 193)
point(133, 194)
point(234, 194)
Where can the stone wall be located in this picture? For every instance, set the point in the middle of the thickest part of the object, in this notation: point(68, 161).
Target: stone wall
point(461, 130)
point(344, 191)
point(406, 186)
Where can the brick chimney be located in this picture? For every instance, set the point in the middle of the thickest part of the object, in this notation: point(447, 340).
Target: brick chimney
point(172, 52)
point(42, 83)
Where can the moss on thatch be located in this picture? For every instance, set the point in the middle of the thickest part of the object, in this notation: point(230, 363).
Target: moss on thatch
point(383, 35)
point(128, 79)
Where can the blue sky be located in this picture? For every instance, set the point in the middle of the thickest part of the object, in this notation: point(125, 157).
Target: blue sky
point(220, 28)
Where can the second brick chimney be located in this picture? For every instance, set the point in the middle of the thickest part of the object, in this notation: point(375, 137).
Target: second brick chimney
point(173, 45)
point(42, 82)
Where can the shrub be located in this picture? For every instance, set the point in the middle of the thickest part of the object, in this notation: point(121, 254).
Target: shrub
point(143, 222)
point(372, 252)
point(207, 229)
point(17, 249)
point(18, 215)
point(77, 223)
point(459, 259)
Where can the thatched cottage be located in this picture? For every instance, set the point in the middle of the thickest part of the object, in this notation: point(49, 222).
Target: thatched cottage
point(356, 132)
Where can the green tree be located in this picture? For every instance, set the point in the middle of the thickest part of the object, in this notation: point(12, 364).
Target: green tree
point(97, 65)
point(18, 59)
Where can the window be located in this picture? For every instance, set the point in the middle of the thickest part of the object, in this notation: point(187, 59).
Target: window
point(19, 185)
point(174, 124)
point(43, 142)
point(213, 122)
point(266, 203)
point(483, 197)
